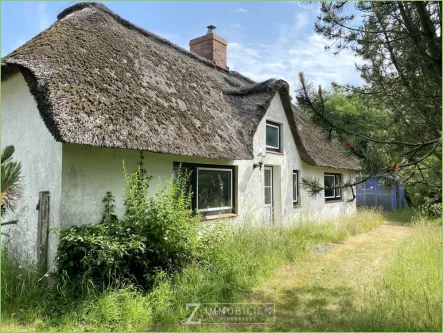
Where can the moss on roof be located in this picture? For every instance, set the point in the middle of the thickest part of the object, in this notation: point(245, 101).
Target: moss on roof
point(100, 80)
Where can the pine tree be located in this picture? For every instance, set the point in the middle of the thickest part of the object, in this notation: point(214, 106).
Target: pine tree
point(400, 43)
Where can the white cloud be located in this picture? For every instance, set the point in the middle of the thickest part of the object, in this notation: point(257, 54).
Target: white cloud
point(236, 26)
point(240, 51)
point(301, 21)
point(241, 10)
point(44, 19)
point(296, 49)
point(313, 7)
point(260, 45)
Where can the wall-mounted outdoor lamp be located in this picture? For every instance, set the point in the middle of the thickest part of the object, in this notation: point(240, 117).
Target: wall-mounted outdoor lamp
point(261, 159)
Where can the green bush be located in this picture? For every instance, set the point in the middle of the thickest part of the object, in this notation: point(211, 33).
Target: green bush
point(156, 233)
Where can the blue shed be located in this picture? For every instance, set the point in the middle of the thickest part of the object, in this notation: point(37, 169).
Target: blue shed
point(372, 193)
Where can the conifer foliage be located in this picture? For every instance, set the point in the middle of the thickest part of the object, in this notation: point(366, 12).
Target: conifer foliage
point(400, 43)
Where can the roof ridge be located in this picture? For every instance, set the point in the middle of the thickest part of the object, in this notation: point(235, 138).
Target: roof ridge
point(258, 87)
point(99, 6)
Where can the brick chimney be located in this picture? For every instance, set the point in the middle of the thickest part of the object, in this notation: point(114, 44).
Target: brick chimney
point(212, 47)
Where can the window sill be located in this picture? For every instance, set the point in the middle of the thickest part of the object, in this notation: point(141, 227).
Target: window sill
point(220, 216)
point(274, 152)
point(332, 201)
point(296, 206)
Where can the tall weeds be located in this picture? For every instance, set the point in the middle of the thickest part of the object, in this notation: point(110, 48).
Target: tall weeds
point(408, 297)
point(241, 258)
point(232, 261)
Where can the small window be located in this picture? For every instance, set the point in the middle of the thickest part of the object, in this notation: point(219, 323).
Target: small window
point(295, 187)
point(273, 137)
point(331, 181)
point(268, 186)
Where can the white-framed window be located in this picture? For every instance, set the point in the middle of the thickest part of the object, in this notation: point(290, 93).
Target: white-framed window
point(214, 191)
point(273, 136)
point(212, 187)
point(330, 182)
point(295, 187)
point(268, 186)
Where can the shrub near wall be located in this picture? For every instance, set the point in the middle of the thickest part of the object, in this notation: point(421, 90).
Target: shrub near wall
point(156, 233)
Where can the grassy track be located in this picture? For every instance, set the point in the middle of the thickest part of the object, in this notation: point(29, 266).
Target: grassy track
point(388, 279)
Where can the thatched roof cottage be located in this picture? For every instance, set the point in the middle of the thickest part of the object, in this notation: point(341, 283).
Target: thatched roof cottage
point(94, 89)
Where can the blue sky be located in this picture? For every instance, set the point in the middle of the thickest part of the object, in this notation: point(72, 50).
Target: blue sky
point(264, 39)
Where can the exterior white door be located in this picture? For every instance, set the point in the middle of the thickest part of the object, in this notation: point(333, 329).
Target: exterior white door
point(269, 202)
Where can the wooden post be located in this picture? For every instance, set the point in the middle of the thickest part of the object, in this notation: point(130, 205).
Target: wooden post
point(43, 231)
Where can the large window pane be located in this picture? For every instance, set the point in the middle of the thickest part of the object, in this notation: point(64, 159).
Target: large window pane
point(295, 186)
point(272, 136)
point(268, 195)
point(267, 177)
point(329, 182)
point(337, 182)
point(268, 186)
point(214, 189)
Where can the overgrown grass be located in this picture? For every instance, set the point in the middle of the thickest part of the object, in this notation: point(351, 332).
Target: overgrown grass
point(249, 255)
point(409, 296)
point(234, 263)
point(403, 216)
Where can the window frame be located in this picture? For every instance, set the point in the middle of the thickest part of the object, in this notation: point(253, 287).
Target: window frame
point(194, 167)
point(218, 209)
point(270, 186)
point(337, 191)
point(295, 200)
point(274, 149)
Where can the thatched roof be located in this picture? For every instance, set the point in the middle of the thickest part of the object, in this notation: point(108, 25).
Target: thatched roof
point(100, 80)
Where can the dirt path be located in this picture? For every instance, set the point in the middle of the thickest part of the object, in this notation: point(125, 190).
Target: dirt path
point(318, 292)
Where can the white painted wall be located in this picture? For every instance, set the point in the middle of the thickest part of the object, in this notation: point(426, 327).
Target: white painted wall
point(41, 159)
point(285, 163)
point(89, 172)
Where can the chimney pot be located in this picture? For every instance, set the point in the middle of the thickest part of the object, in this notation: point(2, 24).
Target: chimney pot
point(211, 46)
point(211, 29)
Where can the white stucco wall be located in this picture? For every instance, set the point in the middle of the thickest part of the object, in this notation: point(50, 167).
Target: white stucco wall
point(89, 172)
point(41, 159)
point(284, 164)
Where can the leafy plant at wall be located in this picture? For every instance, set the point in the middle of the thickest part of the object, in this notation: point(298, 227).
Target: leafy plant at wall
point(139, 190)
point(156, 233)
point(10, 187)
point(109, 212)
